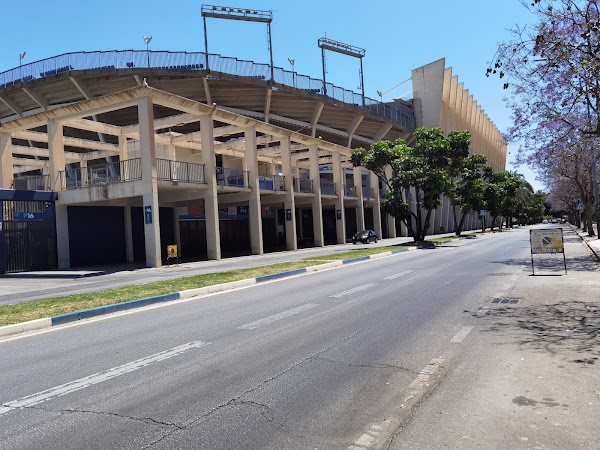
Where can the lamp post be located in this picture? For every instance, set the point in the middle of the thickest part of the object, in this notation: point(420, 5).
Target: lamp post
point(292, 63)
point(147, 41)
point(21, 56)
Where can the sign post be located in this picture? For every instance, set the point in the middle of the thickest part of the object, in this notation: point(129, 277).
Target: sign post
point(547, 241)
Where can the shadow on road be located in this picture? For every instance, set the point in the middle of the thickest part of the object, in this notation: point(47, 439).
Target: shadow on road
point(572, 327)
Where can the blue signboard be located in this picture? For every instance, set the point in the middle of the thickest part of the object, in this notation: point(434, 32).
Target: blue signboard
point(288, 214)
point(148, 214)
point(242, 210)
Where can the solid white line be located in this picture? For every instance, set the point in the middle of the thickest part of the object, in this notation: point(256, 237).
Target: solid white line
point(461, 334)
point(353, 290)
point(100, 377)
point(398, 275)
point(276, 317)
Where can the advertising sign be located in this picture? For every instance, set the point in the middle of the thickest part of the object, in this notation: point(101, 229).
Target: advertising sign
point(148, 214)
point(546, 241)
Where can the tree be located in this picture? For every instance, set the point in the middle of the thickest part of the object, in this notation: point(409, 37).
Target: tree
point(423, 167)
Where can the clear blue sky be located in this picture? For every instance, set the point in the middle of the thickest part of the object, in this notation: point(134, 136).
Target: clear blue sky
point(398, 36)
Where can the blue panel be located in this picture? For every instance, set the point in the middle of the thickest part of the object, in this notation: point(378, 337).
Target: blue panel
point(37, 196)
point(353, 260)
point(274, 276)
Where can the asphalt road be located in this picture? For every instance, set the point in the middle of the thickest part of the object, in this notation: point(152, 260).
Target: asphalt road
point(328, 360)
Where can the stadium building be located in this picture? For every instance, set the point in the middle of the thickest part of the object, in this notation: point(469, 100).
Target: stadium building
point(109, 157)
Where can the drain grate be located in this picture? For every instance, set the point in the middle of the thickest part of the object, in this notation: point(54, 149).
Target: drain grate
point(506, 300)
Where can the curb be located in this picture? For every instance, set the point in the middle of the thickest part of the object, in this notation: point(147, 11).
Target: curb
point(74, 316)
point(593, 250)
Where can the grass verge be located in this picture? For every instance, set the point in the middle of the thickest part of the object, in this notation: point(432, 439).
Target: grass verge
point(37, 309)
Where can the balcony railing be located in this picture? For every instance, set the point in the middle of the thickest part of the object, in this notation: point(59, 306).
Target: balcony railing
point(180, 171)
point(232, 177)
point(271, 182)
point(349, 191)
point(327, 187)
point(107, 61)
point(303, 185)
point(32, 183)
point(367, 192)
point(109, 173)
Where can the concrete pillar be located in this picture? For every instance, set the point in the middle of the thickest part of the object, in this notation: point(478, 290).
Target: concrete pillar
point(376, 205)
point(250, 164)
point(6, 162)
point(211, 203)
point(317, 209)
point(83, 172)
point(360, 209)
point(150, 188)
point(128, 235)
point(340, 213)
point(56, 149)
point(391, 221)
point(289, 205)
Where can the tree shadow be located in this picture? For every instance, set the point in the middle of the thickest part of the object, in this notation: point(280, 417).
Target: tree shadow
point(567, 328)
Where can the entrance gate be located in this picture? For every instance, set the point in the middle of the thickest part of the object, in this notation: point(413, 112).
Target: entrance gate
point(27, 231)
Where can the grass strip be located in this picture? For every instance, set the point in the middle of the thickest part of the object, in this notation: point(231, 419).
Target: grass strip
point(37, 309)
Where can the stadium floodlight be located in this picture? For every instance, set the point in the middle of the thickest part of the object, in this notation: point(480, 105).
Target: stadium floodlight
point(246, 15)
point(147, 40)
point(293, 63)
point(346, 49)
point(21, 56)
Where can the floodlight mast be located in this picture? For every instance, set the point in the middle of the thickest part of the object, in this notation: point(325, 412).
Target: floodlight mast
point(244, 14)
point(346, 49)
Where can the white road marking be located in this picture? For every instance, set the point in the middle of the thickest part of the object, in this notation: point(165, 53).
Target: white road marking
point(353, 290)
point(100, 377)
point(398, 275)
point(276, 317)
point(461, 334)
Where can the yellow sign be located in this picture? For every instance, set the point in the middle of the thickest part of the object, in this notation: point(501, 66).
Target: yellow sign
point(171, 251)
point(546, 241)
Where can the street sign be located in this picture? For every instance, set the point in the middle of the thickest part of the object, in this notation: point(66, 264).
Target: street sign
point(148, 214)
point(547, 241)
point(482, 212)
point(579, 207)
point(172, 251)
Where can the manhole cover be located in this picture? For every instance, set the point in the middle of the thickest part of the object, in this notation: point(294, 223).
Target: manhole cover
point(506, 300)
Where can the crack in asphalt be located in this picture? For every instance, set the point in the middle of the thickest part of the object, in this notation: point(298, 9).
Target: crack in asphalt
point(369, 366)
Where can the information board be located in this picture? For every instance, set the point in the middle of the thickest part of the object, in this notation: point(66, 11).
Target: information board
point(548, 240)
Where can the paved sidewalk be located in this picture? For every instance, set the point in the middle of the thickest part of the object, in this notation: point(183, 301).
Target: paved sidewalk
point(592, 241)
point(530, 377)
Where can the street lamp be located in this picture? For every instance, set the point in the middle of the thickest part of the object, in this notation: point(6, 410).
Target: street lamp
point(292, 63)
point(147, 41)
point(21, 56)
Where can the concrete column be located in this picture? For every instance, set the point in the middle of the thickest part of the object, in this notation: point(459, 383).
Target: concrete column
point(211, 203)
point(360, 209)
point(317, 209)
point(56, 149)
point(250, 164)
point(128, 235)
point(340, 212)
point(288, 204)
point(6, 162)
point(150, 188)
point(376, 205)
point(83, 172)
point(391, 221)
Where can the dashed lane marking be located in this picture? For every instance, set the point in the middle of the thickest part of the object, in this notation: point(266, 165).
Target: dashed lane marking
point(353, 290)
point(100, 377)
point(276, 317)
point(461, 334)
point(398, 275)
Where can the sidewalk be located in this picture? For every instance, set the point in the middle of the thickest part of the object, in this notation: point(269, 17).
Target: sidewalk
point(529, 377)
point(592, 241)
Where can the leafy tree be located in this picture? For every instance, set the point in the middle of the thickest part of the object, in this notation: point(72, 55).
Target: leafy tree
point(423, 167)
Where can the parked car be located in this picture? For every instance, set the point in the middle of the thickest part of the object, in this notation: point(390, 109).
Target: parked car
point(365, 237)
point(545, 221)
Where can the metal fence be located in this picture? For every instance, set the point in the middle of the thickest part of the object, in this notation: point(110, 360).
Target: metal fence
point(303, 185)
point(271, 182)
point(367, 192)
point(232, 177)
point(197, 61)
point(101, 174)
point(349, 190)
point(180, 171)
point(327, 187)
point(32, 183)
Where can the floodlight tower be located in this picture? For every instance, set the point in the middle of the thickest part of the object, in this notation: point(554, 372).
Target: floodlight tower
point(247, 15)
point(346, 49)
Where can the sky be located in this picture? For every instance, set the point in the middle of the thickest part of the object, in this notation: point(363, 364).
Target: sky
point(397, 35)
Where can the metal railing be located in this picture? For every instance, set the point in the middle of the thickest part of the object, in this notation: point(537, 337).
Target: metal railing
point(180, 171)
point(32, 183)
point(303, 185)
point(195, 61)
point(271, 182)
point(367, 192)
point(96, 175)
point(232, 177)
point(349, 190)
point(327, 187)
